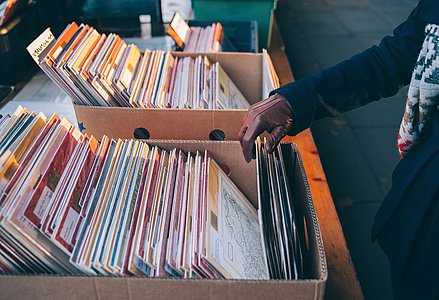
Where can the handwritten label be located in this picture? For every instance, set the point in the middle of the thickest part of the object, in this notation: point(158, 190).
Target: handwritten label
point(40, 44)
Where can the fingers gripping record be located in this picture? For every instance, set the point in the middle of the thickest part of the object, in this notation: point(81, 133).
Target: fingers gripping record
point(273, 115)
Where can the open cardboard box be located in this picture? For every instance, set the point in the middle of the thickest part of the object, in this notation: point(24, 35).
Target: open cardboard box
point(245, 70)
point(244, 176)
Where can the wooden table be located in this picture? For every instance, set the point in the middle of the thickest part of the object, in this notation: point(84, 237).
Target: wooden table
point(342, 279)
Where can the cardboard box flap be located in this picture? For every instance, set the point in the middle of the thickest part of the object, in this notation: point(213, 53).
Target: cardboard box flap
point(309, 217)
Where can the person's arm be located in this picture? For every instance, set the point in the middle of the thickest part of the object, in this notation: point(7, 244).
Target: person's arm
point(376, 73)
point(369, 76)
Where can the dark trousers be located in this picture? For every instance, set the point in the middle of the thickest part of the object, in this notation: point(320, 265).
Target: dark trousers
point(407, 223)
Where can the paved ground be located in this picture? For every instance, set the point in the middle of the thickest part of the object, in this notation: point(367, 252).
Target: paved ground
point(358, 151)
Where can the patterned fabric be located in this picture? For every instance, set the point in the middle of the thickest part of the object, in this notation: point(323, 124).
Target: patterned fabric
point(423, 94)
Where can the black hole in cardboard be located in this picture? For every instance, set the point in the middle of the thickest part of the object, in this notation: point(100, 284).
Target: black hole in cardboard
point(217, 135)
point(141, 133)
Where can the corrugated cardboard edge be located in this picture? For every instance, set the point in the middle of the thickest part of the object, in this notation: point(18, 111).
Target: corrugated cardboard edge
point(316, 225)
point(72, 287)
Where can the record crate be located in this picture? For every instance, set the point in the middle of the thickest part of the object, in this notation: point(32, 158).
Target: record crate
point(244, 175)
point(244, 69)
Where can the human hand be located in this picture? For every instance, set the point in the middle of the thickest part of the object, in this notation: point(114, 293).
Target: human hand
point(273, 115)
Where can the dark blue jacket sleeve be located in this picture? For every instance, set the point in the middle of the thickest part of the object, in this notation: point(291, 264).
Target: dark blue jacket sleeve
point(369, 76)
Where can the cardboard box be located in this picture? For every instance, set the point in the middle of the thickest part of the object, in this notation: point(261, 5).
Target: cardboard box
point(244, 175)
point(245, 70)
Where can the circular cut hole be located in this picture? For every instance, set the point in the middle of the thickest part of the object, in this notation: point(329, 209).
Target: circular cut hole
point(217, 135)
point(141, 133)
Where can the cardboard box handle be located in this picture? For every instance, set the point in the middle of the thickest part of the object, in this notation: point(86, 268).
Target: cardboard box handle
point(141, 133)
point(217, 135)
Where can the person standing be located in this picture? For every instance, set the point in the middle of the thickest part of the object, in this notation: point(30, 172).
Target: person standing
point(407, 224)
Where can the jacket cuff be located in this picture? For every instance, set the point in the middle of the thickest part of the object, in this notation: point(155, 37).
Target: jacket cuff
point(303, 99)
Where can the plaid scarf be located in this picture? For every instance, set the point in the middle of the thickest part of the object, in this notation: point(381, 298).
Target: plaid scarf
point(423, 93)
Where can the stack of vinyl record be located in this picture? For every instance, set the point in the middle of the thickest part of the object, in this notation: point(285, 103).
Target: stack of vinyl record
point(195, 39)
point(282, 237)
point(71, 204)
point(99, 70)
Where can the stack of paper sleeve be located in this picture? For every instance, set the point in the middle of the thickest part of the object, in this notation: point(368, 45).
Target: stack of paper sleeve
point(71, 204)
point(99, 70)
point(282, 239)
point(195, 39)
